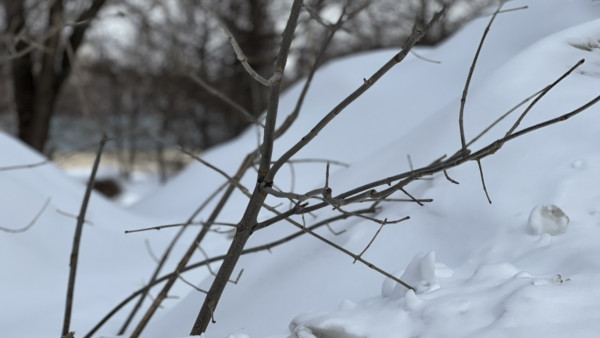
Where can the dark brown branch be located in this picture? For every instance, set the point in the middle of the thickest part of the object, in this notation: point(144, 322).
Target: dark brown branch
point(441, 164)
point(77, 239)
point(263, 247)
point(349, 253)
point(371, 241)
point(542, 94)
point(192, 248)
point(463, 99)
point(160, 227)
point(249, 218)
point(450, 179)
point(166, 255)
point(415, 36)
point(483, 181)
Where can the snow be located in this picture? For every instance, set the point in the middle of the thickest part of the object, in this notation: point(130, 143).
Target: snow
point(548, 219)
point(527, 265)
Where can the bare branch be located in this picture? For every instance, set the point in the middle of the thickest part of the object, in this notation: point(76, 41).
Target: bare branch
point(210, 270)
point(24, 166)
point(264, 247)
point(225, 99)
point(64, 213)
point(231, 180)
point(463, 99)
point(181, 265)
point(164, 258)
point(191, 284)
point(503, 116)
point(542, 94)
point(319, 160)
point(150, 251)
point(419, 56)
point(371, 241)
point(355, 257)
point(336, 233)
point(294, 196)
point(160, 227)
point(273, 104)
point(483, 181)
point(240, 54)
point(449, 178)
point(412, 198)
point(415, 36)
point(77, 239)
point(445, 164)
point(31, 223)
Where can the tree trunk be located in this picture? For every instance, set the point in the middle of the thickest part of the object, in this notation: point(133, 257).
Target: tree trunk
point(36, 94)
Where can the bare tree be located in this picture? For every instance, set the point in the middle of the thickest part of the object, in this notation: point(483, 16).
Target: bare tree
point(187, 40)
point(40, 65)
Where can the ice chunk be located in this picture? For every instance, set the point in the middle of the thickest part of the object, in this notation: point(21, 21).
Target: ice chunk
point(419, 274)
point(548, 219)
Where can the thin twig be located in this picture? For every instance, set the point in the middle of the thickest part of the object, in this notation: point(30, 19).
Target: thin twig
point(215, 92)
point(414, 37)
point(31, 223)
point(191, 284)
point(231, 180)
point(264, 247)
point(239, 52)
point(160, 227)
point(503, 116)
point(64, 213)
point(166, 255)
point(77, 239)
point(336, 233)
point(410, 164)
point(319, 160)
point(449, 178)
point(463, 99)
point(440, 165)
point(412, 198)
point(150, 252)
point(293, 196)
point(210, 270)
point(419, 56)
point(24, 166)
point(483, 181)
point(355, 257)
point(370, 242)
point(542, 94)
point(181, 265)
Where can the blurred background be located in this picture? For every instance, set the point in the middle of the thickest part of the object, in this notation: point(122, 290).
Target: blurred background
point(72, 70)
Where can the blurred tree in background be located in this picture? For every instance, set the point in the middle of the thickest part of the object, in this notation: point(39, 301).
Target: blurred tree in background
point(72, 70)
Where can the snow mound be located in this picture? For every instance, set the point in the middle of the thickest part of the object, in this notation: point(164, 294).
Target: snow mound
point(548, 219)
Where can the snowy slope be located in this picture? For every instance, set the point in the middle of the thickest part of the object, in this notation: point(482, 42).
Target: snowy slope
point(492, 268)
point(34, 264)
point(483, 270)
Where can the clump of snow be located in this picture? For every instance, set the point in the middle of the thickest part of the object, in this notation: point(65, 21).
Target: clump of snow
point(420, 274)
point(548, 219)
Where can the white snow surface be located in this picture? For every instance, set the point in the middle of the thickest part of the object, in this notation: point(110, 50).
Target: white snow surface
point(480, 269)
